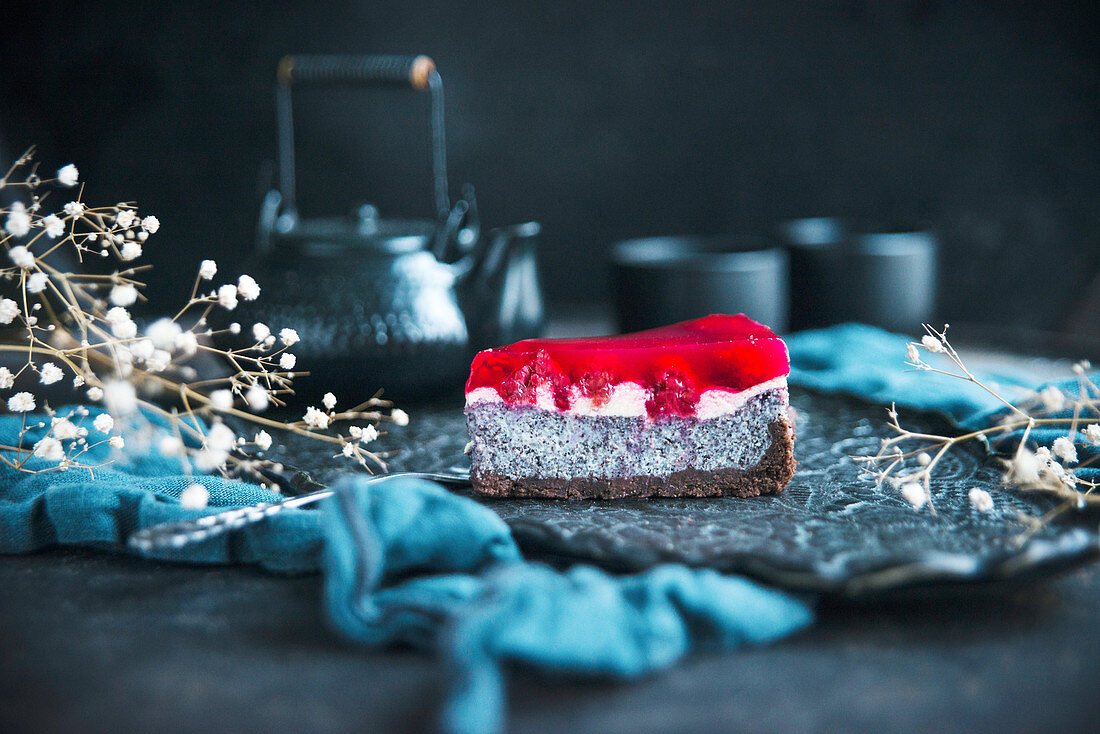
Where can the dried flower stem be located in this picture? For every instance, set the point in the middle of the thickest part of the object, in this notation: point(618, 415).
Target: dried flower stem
point(78, 324)
point(1045, 470)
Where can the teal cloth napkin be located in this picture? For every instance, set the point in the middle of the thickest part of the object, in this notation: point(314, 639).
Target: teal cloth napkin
point(869, 363)
point(406, 561)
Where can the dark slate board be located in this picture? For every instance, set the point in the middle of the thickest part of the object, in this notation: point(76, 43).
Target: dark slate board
point(831, 531)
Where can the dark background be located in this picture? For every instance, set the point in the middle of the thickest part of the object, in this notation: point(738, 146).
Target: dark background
point(600, 120)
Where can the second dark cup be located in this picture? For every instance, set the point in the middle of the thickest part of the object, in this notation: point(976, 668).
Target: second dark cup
point(843, 272)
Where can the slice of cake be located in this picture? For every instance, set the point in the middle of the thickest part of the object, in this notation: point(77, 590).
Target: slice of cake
point(699, 409)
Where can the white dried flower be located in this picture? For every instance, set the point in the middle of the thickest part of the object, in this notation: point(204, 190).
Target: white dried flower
point(316, 418)
point(130, 251)
point(124, 329)
point(911, 353)
point(208, 269)
point(248, 288)
point(257, 398)
point(18, 223)
point(913, 493)
point(1025, 468)
point(367, 434)
point(21, 256)
point(63, 429)
point(150, 224)
point(78, 381)
point(50, 449)
point(116, 442)
point(269, 341)
point(1052, 398)
point(103, 423)
point(209, 459)
point(159, 362)
point(169, 445)
point(348, 450)
point(163, 333)
point(68, 175)
point(1092, 433)
point(235, 328)
point(981, 500)
point(329, 400)
point(95, 394)
point(54, 225)
point(287, 361)
point(74, 209)
point(931, 343)
point(7, 379)
point(50, 373)
point(260, 331)
point(125, 218)
point(289, 337)
point(263, 440)
point(143, 349)
point(227, 296)
point(399, 417)
point(220, 437)
point(36, 282)
point(9, 309)
point(221, 400)
point(116, 315)
point(21, 402)
point(194, 497)
point(1064, 449)
point(120, 397)
point(124, 295)
point(187, 343)
point(924, 459)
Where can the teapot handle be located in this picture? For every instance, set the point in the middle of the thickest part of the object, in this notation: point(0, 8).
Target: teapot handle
point(412, 70)
point(415, 72)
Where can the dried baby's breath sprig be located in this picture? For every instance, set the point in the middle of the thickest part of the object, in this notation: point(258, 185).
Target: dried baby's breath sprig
point(907, 460)
point(76, 325)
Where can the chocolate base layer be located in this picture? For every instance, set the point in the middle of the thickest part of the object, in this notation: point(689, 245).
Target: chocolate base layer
point(770, 475)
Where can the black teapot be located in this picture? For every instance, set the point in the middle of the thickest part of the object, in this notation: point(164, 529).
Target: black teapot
point(386, 303)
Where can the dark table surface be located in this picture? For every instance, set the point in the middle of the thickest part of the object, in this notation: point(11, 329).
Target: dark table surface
point(99, 643)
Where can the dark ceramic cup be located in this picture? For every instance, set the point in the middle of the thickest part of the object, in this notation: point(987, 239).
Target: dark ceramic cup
point(842, 271)
point(662, 280)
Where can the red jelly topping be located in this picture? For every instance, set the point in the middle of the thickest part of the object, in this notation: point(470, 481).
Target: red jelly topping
point(675, 364)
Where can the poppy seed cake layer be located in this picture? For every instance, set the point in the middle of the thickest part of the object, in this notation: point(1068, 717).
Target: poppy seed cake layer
point(526, 451)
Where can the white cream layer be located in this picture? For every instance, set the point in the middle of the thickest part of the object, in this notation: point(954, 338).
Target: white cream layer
point(628, 399)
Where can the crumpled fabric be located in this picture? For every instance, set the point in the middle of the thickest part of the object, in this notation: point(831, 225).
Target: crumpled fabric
point(406, 561)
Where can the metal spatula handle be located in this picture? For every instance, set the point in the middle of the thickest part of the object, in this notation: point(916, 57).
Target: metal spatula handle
point(184, 533)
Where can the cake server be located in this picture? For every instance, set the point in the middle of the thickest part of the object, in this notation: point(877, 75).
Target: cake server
point(179, 534)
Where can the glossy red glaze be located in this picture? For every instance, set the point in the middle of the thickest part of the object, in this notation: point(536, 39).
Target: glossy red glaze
point(675, 364)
